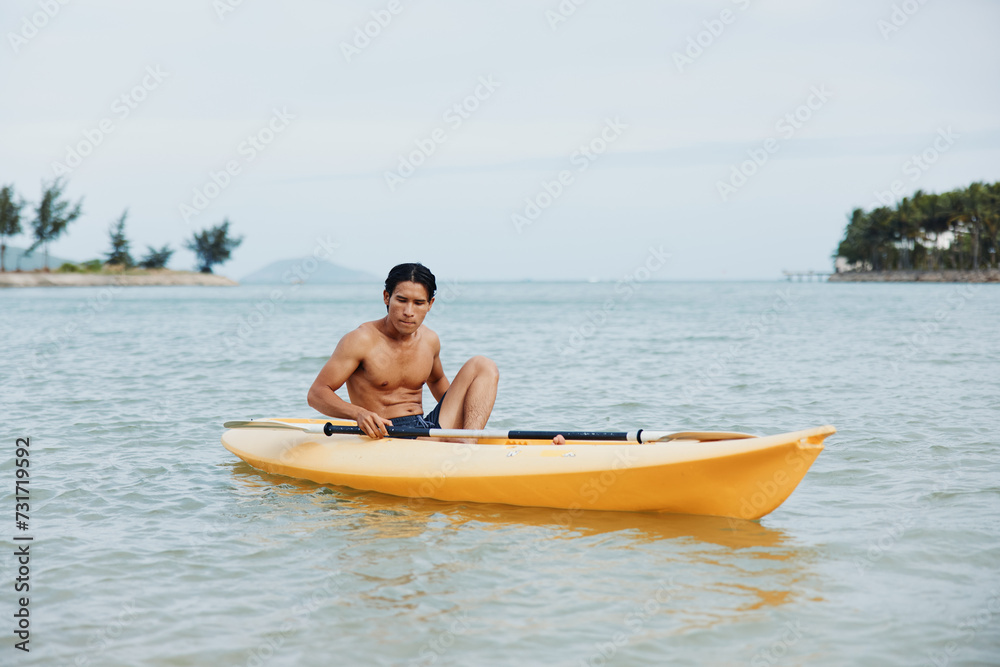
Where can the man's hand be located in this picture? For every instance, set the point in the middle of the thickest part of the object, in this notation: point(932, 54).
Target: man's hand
point(372, 424)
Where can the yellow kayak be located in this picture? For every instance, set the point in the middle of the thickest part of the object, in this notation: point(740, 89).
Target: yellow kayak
point(745, 477)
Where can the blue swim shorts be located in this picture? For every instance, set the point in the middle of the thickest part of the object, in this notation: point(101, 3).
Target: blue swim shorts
point(418, 421)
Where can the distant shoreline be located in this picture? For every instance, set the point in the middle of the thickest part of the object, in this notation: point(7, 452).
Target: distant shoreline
point(150, 278)
point(950, 276)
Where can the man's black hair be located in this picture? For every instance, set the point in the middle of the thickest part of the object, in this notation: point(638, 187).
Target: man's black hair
point(413, 272)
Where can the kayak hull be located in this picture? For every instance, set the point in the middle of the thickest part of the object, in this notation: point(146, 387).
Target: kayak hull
point(745, 478)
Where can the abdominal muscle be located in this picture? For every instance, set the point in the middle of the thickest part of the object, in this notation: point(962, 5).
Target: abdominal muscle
point(388, 403)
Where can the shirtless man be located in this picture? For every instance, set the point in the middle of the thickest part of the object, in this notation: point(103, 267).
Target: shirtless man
point(385, 364)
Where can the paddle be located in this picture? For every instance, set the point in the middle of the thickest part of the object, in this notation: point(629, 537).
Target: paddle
point(640, 436)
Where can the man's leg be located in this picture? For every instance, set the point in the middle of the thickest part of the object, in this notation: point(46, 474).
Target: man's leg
point(471, 395)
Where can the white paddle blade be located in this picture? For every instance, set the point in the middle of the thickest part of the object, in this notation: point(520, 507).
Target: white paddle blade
point(700, 436)
point(265, 423)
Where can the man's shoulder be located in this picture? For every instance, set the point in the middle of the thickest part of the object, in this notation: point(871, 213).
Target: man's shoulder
point(365, 335)
point(367, 329)
point(430, 337)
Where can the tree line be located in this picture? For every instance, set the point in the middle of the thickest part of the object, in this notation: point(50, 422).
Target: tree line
point(53, 213)
point(959, 229)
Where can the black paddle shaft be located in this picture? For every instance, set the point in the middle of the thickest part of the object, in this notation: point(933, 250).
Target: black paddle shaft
point(569, 435)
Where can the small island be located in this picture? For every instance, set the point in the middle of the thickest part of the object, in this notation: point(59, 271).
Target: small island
point(129, 278)
point(982, 276)
point(948, 237)
point(54, 213)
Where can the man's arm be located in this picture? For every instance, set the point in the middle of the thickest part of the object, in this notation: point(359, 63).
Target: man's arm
point(437, 382)
point(343, 362)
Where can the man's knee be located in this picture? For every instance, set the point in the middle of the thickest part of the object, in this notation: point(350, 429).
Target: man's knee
point(485, 366)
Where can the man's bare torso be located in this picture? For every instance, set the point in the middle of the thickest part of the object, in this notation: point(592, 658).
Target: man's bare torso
point(391, 376)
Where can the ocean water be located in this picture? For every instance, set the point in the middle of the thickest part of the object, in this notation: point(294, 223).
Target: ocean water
point(153, 545)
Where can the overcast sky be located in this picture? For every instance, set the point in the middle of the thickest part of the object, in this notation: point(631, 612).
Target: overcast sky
point(736, 135)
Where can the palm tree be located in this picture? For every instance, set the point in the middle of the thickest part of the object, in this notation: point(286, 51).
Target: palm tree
point(119, 253)
point(906, 228)
point(52, 215)
point(156, 259)
point(853, 248)
point(991, 221)
point(213, 246)
point(971, 208)
point(878, 235)
point(934, 220)
point(10, 219)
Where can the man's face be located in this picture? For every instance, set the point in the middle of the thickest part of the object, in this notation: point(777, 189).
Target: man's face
point(408, 305)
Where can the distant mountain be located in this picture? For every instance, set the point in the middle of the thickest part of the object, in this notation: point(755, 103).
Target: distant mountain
point(308, 270)
point(14, 258)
